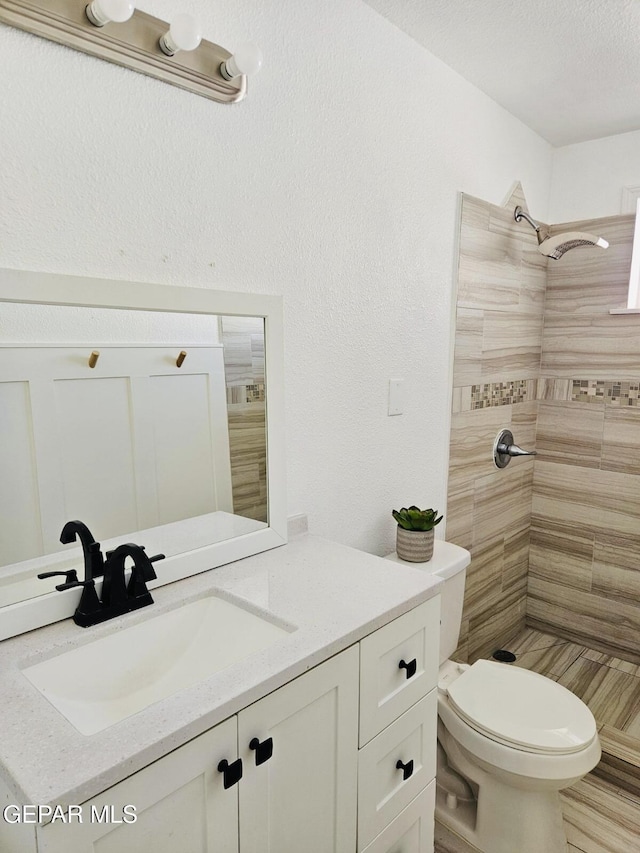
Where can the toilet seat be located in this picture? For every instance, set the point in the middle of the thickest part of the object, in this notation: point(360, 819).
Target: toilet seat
point(521, 709)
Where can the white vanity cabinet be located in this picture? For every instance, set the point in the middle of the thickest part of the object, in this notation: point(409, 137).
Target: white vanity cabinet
point(181, 805)
point(302, 797)
point(339, 760)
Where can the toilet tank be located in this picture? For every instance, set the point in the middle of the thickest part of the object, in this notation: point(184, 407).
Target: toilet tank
point(449, 562)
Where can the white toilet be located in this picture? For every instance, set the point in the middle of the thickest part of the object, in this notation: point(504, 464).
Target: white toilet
point(508, 739)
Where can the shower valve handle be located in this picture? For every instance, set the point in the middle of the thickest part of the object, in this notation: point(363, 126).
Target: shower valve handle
point(504, 449)
point(514, 450)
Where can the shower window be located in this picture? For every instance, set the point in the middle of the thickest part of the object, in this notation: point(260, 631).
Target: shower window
point(633, 300)
point(630, 202)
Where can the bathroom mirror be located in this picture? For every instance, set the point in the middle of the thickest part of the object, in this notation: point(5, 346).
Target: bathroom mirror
point(151, 413)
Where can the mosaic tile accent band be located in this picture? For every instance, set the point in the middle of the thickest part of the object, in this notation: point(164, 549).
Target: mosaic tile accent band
point(246, 393)
point(503, 393)
point(610, 392)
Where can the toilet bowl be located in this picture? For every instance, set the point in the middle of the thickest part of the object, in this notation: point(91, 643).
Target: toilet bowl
point(509, 740)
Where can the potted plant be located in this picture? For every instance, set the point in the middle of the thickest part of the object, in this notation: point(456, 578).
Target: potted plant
point(414, 540)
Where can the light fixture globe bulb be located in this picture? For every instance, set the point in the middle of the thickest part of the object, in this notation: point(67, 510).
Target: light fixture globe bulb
point(185, 32)
point(246, 60)
point(101, 12)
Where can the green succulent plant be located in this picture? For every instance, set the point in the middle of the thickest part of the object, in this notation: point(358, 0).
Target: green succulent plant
point(416, 519)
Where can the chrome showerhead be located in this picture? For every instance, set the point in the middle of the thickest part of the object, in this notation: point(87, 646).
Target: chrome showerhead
point(555, 247)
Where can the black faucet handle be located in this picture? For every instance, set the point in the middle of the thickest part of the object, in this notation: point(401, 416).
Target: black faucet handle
point(156, 558)
point(70, 584)
point(71, 576)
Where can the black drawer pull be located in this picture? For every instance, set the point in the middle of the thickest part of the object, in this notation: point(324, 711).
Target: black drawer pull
point(263, 750)
point(410, 667)
point(407, 769)
point(232, 773)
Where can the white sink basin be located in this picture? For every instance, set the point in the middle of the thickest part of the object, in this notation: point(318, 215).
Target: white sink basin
point(103, 682)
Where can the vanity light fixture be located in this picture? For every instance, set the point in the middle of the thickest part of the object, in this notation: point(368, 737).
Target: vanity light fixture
point(183, 34)
point(246, 60)
point(117, 31)
point(101, 12)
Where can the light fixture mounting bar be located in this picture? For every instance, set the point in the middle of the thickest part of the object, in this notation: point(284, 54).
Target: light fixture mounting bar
point(133, 44)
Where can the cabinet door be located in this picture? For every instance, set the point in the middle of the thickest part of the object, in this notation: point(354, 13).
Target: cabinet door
point(181, 805)
point(304, 796)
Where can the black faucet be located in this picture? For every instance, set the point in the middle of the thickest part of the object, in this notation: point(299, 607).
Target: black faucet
point(117, 597)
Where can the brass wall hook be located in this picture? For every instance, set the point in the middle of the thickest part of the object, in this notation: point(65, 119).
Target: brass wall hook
point(93, 358)
point(180, 359)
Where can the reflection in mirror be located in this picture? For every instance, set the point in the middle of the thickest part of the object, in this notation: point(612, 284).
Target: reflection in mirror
point(148, 426)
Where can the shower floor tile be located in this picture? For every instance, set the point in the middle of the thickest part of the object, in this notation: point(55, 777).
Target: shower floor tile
point(552, 661)
point(599, 819)
point(613, 696)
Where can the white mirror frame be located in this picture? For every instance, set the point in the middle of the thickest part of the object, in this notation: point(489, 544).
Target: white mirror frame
point(51, 289)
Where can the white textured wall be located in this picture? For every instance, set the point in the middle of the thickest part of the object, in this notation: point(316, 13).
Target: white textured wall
point(334, 184)
point(588, 177)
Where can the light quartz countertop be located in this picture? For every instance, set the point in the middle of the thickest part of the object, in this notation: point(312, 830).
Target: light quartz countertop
point(332, 594)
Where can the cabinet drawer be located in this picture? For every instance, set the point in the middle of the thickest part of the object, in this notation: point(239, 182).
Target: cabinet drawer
point(398, 666)
point(383, 790)
point(412, 831)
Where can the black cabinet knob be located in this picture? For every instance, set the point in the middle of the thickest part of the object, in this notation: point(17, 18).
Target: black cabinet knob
point(231, 773)
point(407, 769)
point(410, 667)
point(263, 749)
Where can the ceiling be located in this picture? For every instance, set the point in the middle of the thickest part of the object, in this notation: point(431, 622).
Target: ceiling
point(569, 69)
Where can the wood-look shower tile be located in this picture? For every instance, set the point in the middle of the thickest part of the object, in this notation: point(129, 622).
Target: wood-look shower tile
point(489, 268)
point(459, 516)
point(632, 726)
point(570, 433)
point(524, 417)
point(515, 566)
point(550, 389)
point(587, 498)
point(515, 197)
point(495, 627)
point(614, 662)
point(502, 502)
point(583, 617)
point(531, 640)
point(504, 330)
point(621, 439)
point(553, 661)
point(534, 280)
point(483, 585)
point(620, 763)
point(501, 365)
point(472, 437)
point(616, 567)
point(475, 212)
point(467, 362)
point(560, 555)
point(612, 696)
point(593, 346)
point(502, 221)
point(598, 820)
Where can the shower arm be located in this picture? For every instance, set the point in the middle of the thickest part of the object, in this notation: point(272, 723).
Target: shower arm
point(519, 214)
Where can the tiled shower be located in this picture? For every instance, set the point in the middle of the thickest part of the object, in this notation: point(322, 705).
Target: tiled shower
point(554, 541)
